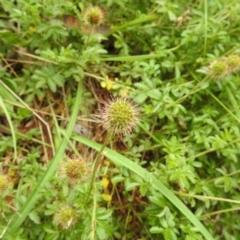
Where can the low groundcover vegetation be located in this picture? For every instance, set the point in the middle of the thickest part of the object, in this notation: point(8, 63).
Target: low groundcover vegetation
point(119, 120)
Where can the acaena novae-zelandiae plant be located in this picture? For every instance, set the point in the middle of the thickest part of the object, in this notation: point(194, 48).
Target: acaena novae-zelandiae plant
point(118, 116)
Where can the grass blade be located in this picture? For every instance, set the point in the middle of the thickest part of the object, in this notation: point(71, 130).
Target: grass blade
point(5, 110)
point(132, 58)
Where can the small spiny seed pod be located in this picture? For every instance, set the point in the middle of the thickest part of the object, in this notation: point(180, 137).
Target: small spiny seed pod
point(93, 15)
point(74, 171)
point(65, 217)
point(4, 183)
point(119, 116)
point(218, 69)
point(233, 62)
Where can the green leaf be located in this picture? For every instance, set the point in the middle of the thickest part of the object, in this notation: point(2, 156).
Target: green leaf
point(156, 230)
point(7, 114)
point(143, 189)
point(34, 217)
point(40, 83)
point(131, 185)
point(117, 179)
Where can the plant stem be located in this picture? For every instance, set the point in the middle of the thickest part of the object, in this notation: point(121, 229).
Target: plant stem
point(233, 102)
point(93, 220)
point(96, 163)
point(226, 108)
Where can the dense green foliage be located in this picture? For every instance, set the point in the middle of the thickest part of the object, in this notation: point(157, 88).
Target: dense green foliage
point(176, 176)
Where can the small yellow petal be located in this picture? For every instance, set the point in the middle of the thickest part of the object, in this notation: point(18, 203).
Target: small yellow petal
point(103, 84)
point(109, 84)
point(106, 197)
point(124, 93)
point(105, 182)
point(32, 29)
point(106, 162)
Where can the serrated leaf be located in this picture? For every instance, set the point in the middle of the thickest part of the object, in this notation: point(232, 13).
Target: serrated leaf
point(104, 214)
point(52, 86)
point(34, 217)
point(160, 201)
point(40, 83)
point(117, 179)
point(131, 185)
point(156, 230)
point(143, 189)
